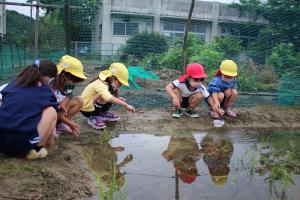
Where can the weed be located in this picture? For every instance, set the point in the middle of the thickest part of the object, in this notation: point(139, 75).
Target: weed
point(110, 192)
point(106, 135)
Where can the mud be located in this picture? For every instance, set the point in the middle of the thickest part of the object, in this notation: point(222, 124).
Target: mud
point(61, 176)
point(64, 174)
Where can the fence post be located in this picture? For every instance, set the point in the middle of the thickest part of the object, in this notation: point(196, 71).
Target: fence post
point(76, 49)
point(1, 51)
point(67, 24)
point(36, 32)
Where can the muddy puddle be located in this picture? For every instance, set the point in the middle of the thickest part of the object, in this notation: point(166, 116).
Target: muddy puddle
point(214, 164)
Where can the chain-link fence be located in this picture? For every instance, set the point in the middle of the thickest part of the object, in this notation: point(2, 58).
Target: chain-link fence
point(261, 36)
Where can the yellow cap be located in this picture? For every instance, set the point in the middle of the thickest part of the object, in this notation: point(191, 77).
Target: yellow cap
point(71, 65)
point(229, 68)
point(118, 70)
point(219, 180)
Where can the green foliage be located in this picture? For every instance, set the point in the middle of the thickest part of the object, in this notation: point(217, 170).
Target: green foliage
point(152, 61)
point(247, 81)
point(276, 159)
point(106, 135)
point(172, 58)
point(144, 43)
point(82, 18)
point(283, 17)
point(227, 45)
point(111, 191)
point(51, 28)
point(283, 58)
point(209, 57)
point(19, 29)
point(197, 51)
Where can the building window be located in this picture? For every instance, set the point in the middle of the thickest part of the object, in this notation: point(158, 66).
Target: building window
point(125, 28)
point(240, 33)
point(176, 30)
point(131, 28)
point(172, 31)
point(198, 30)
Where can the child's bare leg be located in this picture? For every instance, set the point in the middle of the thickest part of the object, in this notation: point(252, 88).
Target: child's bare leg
point(229, 102)
point(73, 106)
point(233, 96)
point(221, 96)
point(46, 126)
point(195, 99)
point(179, 96)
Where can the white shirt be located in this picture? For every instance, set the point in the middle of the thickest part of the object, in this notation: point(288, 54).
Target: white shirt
point(185, 92)
point(60, 96)
point(1, 88)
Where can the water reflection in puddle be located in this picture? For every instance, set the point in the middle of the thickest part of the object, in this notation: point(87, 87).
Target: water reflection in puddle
point(198, 165)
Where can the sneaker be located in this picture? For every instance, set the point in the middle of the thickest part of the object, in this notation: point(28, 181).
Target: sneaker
point(33, 154)
point(230, 113)
point(63, 128)
point(178, 113)
point(191, 113)
point(110, 116)
point(214, 115)
point(96, 123)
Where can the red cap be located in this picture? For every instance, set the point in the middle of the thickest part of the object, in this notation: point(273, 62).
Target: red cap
point(194, 70)
point(187, 178)
point(185, 175)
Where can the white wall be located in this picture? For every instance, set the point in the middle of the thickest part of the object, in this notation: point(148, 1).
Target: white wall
point(145, 12)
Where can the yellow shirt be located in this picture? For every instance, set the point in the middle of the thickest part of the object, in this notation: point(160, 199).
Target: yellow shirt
point(94, 88)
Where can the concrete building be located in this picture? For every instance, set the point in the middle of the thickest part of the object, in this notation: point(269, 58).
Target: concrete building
point(118, 19)
point(2, 20)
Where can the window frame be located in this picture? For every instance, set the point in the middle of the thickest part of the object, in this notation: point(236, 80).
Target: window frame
point(126, 25)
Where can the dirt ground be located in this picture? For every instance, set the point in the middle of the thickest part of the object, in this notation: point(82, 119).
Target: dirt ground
point(64, 174)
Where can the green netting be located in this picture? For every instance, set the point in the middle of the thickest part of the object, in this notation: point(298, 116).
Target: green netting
point(139, 72)
point(288, 91)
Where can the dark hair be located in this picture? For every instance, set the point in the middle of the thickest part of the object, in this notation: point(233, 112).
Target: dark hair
point(110, 87)
point(48, 68)
point(73, 78)
point(30, 76)
point(59, 81)
point(33, 73)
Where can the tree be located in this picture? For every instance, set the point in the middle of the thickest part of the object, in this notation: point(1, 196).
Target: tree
point(283, 58)
point(19, 29)
point(283, 17)
point(142, 44)
point(82, 18)
point(51, 35)
point(227, 45)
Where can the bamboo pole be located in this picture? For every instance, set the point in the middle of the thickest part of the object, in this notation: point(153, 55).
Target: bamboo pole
point(185, 40)
point(36, 32)
point(67, 23)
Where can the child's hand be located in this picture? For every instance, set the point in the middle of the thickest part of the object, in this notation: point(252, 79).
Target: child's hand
point(122, 99)
point(217, 104)
point(218, 110)
point(176, 103)
point(227, 92)
point(221, 111)
point(75, 129)
point(215, 108)
point(130, 108)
